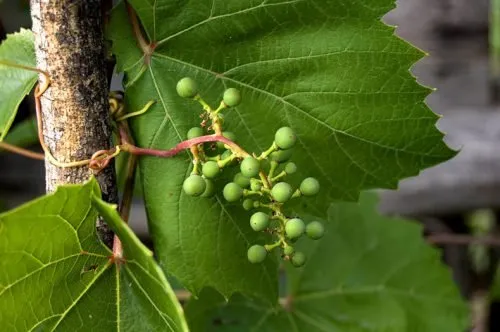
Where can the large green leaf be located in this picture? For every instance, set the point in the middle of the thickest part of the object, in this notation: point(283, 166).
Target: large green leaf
point(15, 83)
point(55, 274)
point(369, 273)
point(328, 68)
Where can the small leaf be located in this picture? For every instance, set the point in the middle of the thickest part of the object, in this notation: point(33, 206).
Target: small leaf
point(369, 273)
point(55, 274)
point(15, 83)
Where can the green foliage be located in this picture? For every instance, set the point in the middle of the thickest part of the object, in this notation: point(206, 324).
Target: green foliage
point(23, 134)
point(55, 274)
point(369, 273)
point(330, 69)
point(15, 83)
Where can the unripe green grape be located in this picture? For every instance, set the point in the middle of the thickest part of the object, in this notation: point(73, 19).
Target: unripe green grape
point(282, 192)
point(194, 185)
point(289, 250)
point(232, 97)
point(187, 87)
point(259, 221)
point(209, 190)
point(232, 192)
point(210, 169)
point(285, 138)
point(256, 254)
point(281, 156)
point(250, 167)
point(255, 185)
point(294, 228)
point(195, 132)
point(241, 180)
point(290, 168)
point(315, 230)
point(248, 204)
point(298, 259)
point(309, 187)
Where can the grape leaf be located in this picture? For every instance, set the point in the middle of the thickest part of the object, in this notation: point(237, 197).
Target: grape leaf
point(55, 274)
point(15, 83)
point(23, 134)
point(328, 68)
point(369, 273)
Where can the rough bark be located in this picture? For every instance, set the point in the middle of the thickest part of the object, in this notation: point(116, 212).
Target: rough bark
point(69, 43)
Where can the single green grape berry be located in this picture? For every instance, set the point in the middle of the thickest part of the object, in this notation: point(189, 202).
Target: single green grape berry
point(289, 250)
point(282, 192)
point(309, 187)
point(259, 221)
point(241, 180)
point(209, 190)
point(210, 169)
point(281, 156)
point(195, 132)
point(290, 168)
point(285, 138)
point(187, 87)
point(248, 204)
point(315, 230)
point(255, 185)
point(194, 185)
point(294, 228)
point(250, 167)
point(232, 97)
point(298, 259)
point(256, 254)
point(232, 192)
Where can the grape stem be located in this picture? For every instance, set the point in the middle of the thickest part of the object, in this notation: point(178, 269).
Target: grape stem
point(187, 144)
point(279, 176)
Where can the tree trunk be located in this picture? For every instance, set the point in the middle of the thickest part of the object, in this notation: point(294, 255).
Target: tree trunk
point(69, 44)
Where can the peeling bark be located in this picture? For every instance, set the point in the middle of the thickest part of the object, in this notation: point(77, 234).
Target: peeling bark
point(69, 43)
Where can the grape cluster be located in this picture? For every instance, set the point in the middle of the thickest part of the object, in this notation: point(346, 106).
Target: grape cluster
point(259, 184)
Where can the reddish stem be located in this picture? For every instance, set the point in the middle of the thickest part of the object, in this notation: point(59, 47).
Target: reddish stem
point(181, 146)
